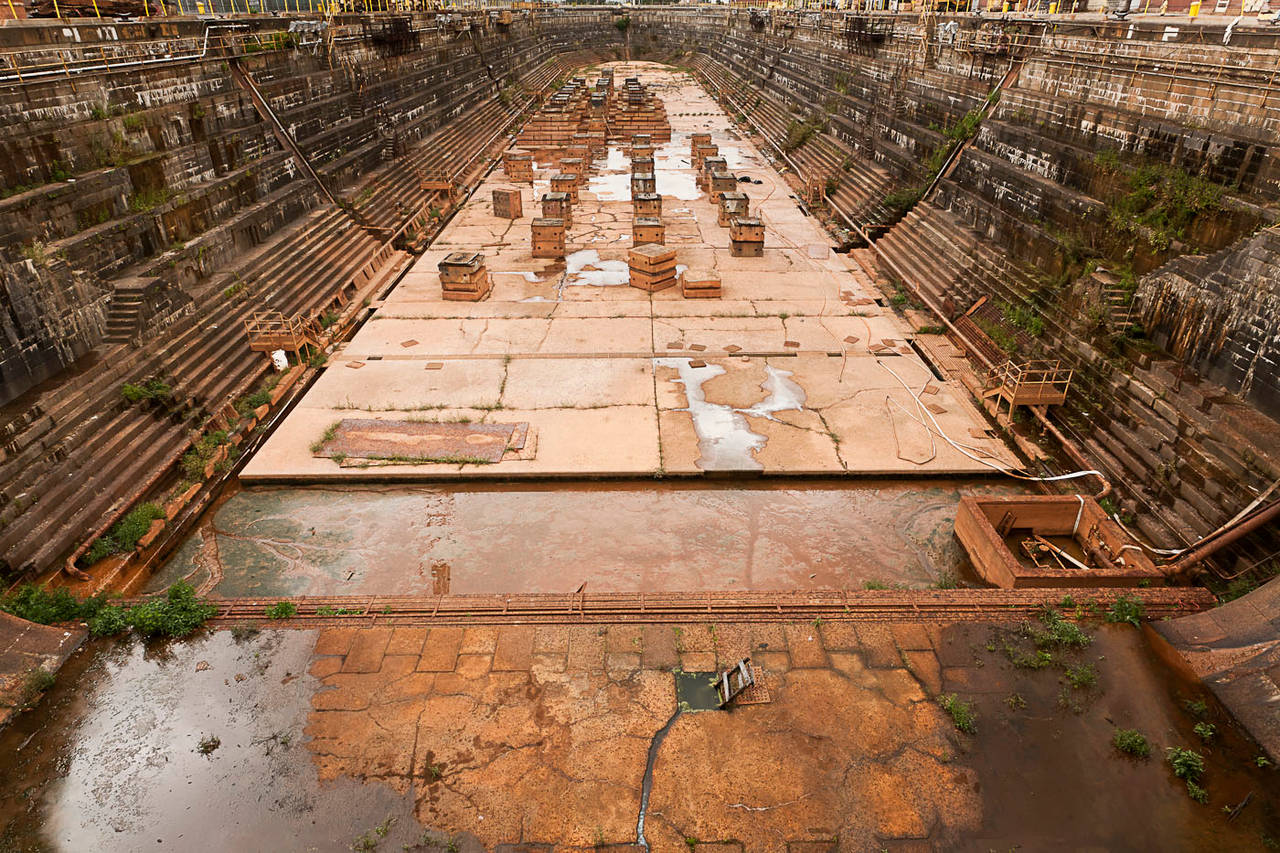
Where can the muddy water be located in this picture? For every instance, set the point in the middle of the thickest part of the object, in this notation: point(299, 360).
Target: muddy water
point(110, 761)
point(1050, 778)
point(553, 537)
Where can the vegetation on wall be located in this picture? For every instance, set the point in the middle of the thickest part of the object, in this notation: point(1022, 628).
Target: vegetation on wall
point(1157, 202)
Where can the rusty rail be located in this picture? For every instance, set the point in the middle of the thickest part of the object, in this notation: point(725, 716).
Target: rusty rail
point(959, 605)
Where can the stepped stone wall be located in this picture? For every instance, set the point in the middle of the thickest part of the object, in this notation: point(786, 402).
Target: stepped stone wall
point(167, 169)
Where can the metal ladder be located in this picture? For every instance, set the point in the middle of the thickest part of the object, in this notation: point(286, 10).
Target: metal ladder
point(733, 681)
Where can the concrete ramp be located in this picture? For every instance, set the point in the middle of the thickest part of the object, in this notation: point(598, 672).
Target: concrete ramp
point(1235, 650)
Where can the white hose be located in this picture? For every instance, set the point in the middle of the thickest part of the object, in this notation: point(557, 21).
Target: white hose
point(1002, 469)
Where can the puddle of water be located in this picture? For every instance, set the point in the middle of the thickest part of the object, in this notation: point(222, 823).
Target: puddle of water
point(725, 439)
point(539, 537)
point(110, 759)
point(602, 274)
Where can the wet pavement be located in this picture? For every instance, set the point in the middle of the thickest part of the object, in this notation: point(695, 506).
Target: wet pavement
point(645, 536)
point(567, 735)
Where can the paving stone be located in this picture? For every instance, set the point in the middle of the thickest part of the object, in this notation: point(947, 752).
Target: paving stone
point(878, 646)
point(480, 640)
point(659, 647)
point(624, 638)
point(514, 648)
point(474, 666)
point(911, 636)
point(838, 634)
point(804, 642)
point(586, 649)
point(335, 641)
point(769, 636)
point(548, 662)
point(551, 638)
point(773, 662)
point(367, 650)
point(407, 641)
point(440, 652)
point(698, 662)
point(621, 663)
point(924, 665)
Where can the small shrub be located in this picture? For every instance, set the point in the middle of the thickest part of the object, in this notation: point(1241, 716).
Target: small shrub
point(178, 614)
point(947, 579)
point(1127, 608)
point(1195, 707)
point(1131, 742)
point(1205, 731)
point(1195, 792)
point(47, 607)
point(282, 610)
point(1186, 763)
point(1082, 676)
point(109, 621)
point(961, 712)
point(148, 389)
point(36, 682)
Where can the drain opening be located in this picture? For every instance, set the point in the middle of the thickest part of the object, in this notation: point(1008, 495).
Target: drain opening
point(928, 362)
point(696, 691)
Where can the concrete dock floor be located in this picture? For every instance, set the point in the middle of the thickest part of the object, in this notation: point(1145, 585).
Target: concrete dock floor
point(796, 370)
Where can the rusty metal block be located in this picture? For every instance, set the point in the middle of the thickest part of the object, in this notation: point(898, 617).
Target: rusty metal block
point(700, 284)
point(518, 166)
point(463, 276)
point(732, 205)
point(557, 206)
point(642, 166)
point(507, 204)
point(746, 229)
point(722, 182)
point(566, 183)
point(650, 257)
point(643, 183)
point(647, 204)
point(648, 229)
point(547, 238)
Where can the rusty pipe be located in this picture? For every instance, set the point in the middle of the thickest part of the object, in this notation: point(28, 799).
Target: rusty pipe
point(1213, 543)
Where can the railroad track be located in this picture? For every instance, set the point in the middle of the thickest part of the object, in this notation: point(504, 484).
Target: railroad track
point(958, 605)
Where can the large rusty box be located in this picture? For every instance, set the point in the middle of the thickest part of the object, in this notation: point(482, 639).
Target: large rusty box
point(574, 166)
point(649, 257)
point(700, 154)
point(518, 166)
point(1049, 541)
point(746, 229)
point(547, 238)
point(557, 206)
point(648, 229)
point(565, 183)
point(710, 166)
point(643, 182)
point(722, 182)
point(700, 284)
point(507, 203)
point(647, 204)
point(463, 277)
point(652, 267)
point(732, 206)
